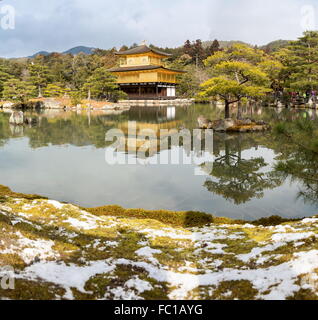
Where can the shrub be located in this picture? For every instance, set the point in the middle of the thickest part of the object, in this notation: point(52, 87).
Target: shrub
point(174, 218)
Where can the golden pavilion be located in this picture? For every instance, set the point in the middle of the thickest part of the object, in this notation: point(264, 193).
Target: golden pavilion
point(143, 76)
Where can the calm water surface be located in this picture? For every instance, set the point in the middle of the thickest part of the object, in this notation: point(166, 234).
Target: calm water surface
point(63, 157)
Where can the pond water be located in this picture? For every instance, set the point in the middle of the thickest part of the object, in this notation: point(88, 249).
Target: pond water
point(62, 157)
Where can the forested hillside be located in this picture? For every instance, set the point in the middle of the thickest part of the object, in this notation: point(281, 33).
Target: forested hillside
point(81, 72)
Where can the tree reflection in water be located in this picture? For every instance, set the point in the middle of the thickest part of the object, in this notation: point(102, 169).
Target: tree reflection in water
point(236, 178)
point(297, 144)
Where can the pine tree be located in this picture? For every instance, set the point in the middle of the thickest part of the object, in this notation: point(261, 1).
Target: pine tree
point(236, 74)
point(123, 48)
point(214, 47)
point(187, 48)
point(4, 76)
point(100, 85)
point(302, 62)
point(198, 52)
point(39, 75)
point(18, 91)
point(54, 90)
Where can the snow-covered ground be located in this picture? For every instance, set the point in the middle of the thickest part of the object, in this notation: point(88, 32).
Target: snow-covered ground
point(63, 252)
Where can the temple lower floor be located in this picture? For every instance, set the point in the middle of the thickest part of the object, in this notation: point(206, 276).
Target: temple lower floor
point(150, 91)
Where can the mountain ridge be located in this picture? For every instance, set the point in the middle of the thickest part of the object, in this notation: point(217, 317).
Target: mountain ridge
point(272, 46)
point(75, 50)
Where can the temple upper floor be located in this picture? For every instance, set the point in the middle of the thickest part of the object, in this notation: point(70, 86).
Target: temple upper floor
point(142, 56)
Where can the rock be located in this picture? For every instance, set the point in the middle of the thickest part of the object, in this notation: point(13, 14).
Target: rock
point(247, 122)
point(17, 131)
point(228, 123)
point(30, 121)
point(223, 125)
point(218, 125)
point(243, 129)
point(231, 125)
point(109, 107)
point(205, 123)
point(8, 105)
point(17, 117)
point(52, 104)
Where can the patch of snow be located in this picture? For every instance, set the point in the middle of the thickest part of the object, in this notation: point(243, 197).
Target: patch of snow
point(289, 237)
point(56, 204)
point(210, 247)
point(309, 221)
point(82, 225)
point(207, 263)
point(248, 226)
point(66, 276)
point(29, 249)
point(256, 252)
point(283, 228)
point(148, 253)
point(138, 284)
point(111, 243)
point(280, 280)
point(120, 293)
point(299, 244)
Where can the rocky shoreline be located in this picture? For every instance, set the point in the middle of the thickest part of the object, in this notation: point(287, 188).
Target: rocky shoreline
point(61, 251)
point(63, 104)
point(233, 125)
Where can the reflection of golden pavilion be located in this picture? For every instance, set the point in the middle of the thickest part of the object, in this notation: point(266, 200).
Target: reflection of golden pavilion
point(155, 131)
point(142, 74)
point(152, 132)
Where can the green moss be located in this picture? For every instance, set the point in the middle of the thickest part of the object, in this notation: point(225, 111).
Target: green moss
point(160, 290)
point(230, 290)
point(174, 218)
point(226, 290)
point(127, 246)
point(272, 221)
point(289, 249)
point(183, 219)
point(241, 247)
point(13, 260)
point(258, 234)
point(98, 285)
point(6, 192)
point(32, 290)
point(304, 294)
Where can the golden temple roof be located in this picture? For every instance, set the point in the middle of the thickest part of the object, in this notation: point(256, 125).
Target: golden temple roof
point(142, 49)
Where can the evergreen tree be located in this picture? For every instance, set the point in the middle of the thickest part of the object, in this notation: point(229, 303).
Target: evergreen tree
point(4, 76)
point(18, 91)
point(198, 52)
point(100, 85)
point(195, 50)
point(213, 48)
point(187, 48)
point(303, 62)
point(54, 90)
point(39, 76)
point(123, 48)
point(236, 74)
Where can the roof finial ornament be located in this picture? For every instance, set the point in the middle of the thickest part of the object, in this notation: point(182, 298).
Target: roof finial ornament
point(143, 43)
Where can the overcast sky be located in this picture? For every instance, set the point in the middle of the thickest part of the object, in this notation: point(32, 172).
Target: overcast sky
point(57, 25)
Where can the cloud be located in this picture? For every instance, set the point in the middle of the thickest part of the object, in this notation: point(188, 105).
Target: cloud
point(257, 21)
point(61, 24)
